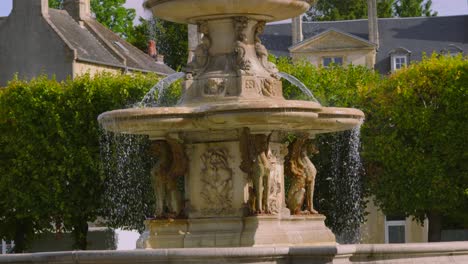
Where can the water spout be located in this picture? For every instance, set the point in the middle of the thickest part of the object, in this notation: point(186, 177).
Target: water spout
point(296, 82)
point(149, 100)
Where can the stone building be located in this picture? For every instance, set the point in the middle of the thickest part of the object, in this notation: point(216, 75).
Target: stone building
point(36, 39)
point(385, 44)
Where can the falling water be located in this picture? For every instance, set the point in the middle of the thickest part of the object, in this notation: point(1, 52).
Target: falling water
point(128, 196)
point(345, 182)
point(149, 99)
point(294, 81)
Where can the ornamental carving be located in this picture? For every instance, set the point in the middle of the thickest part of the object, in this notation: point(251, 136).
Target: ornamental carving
point(274, 195)
point(243, 64)
point(215, 86)
point(262, 52)
point(255, 162)
point(171, 164)
point(302, 174)
point(217, 190)
point(201, 54)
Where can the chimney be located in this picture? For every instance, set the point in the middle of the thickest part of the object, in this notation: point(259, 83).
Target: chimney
point(31, 7)
point(296, 27)
point(78, 9)
point(152, 51)
point(160, 58)
point(373, 22)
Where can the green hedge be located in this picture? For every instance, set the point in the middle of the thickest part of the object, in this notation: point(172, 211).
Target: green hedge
point(49, 151)
point(415, 140)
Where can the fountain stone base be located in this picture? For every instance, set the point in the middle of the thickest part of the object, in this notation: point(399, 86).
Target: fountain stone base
point(254, 231)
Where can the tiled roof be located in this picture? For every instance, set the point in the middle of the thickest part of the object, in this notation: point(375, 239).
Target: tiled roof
point(2, 19)
point(87, 46)
point(419, 35)
point(135, 58)
point(97, 44)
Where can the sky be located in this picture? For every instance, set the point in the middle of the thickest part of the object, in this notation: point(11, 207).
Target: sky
point(443, 7)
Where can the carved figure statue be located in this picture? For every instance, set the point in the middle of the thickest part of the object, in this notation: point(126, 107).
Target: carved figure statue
point(302, 173)
point(243, 64)
point(171, 164)
point(201, 53)
point(255, 162)
point(262, 52)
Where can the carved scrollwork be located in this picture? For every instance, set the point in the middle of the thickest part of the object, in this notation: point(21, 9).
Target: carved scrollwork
point(217, 191)
point(255, 162)
point(201, 54)
point(171, 164)
point(302, 173)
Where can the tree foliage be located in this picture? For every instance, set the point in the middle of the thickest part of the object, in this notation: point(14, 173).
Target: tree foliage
point(415, 141)
point(332, 10)
point(50, 164)
point(171, 40)
point(114, 15)
point(413, 8)
point(110, 13)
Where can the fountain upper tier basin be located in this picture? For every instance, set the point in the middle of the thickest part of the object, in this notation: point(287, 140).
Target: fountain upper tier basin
point(259, 116)
point(191, 11)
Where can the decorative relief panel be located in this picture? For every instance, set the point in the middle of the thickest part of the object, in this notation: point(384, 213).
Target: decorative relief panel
point(216, 177)
point(274, 194)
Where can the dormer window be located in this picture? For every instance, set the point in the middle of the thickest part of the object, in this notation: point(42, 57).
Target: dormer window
point(399, 58)
point(327, 61)
point(452, 50)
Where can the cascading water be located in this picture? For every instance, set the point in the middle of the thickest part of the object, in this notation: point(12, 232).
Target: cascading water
point(149, 100)
point(128, 195)
point(340, 173)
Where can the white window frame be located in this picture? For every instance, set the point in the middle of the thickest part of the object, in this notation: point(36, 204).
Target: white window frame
point(394, 61)
point(333, 60)
point(394, 223)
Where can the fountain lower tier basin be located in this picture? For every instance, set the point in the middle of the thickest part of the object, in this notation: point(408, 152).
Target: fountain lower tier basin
point(190, 11)
point(259, 116)
point(445, 252)
point(252, 231)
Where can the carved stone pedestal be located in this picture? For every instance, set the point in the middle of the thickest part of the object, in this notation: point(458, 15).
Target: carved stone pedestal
point(256, 231)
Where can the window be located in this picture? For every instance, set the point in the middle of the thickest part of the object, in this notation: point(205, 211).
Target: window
point(326, 61)
point(399, 58)
point(395, 229)
point(5, 247)
point(399, 62)
point(452, 50)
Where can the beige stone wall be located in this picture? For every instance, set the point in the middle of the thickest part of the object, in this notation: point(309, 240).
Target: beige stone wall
point(335, 44)
point(373, 230)
point(355, 57)
point(80, 68)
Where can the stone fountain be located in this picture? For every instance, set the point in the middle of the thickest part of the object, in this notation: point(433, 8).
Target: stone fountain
point(226, 137)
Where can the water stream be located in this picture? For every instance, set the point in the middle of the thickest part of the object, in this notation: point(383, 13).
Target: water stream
point(149, 99)
point(296, 82)
point(346, 208)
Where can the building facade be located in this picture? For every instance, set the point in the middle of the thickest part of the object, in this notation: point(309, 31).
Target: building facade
point(394, 43)
point(36, 39)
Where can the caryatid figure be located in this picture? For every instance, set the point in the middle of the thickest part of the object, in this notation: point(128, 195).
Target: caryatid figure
point(302, 173)
point(171, 164)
